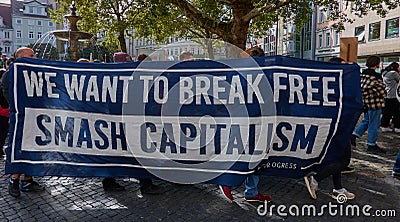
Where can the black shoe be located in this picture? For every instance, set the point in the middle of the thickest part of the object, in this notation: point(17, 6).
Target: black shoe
point(353, 140)
point(348, 170)
point(152, 189)
point(30, 186)
point(109, 184)
point(13, 187)
point(375, 149)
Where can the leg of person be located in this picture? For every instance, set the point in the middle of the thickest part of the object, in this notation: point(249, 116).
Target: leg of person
point(396, 168)
point(13, 185)
point(110, 184)
point(251, 192)
point(312, 186)
point(226, 192)
point(3, 132)
point(346, 160)
point(324, 171)
point(373, 131)
point(147, 187)
point(29, 185)
point(396, 116)
point(339, 192)
point(386, 116)
point(360, 129)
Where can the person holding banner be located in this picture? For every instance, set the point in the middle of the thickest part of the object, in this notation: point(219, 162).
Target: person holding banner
point(27, 183)
point(4, 117)
point(251, 193)
point(391, 78)
point(335, 169)
point(109, 184)
point(373, 93)
point(146, 186)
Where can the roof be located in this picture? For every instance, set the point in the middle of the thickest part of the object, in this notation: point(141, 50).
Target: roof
point(16, 5)
point(5, 12)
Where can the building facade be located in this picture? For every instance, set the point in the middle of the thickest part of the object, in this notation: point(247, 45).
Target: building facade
point(376, 36)
point(6, 30)
point(30, 20)
point(327, 39)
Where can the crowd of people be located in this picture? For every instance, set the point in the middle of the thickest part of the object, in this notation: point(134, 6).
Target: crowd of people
point(381, 113)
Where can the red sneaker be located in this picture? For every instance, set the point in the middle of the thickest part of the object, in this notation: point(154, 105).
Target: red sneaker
point(259, 197)
point(226, 191)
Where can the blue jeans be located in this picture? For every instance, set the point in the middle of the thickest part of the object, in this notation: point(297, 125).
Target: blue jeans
point(396, 168)
point(371, 121)
point(251, 184)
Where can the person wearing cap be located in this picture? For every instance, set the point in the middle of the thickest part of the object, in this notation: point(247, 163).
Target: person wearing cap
point(122, 57)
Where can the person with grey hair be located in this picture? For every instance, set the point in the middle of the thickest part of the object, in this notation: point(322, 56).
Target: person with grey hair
point(391, 112)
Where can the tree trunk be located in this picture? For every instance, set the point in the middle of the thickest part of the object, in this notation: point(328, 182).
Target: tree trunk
point(238, 34)
point(209, 45)
point(210, 49)
point(121, 39)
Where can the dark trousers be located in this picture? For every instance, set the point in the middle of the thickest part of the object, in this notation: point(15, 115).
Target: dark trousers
point(391, 112)
point(335, 169)
point(145, 183)
point(3, 132)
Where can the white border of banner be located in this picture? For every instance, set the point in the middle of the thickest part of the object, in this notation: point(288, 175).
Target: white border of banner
point(13, 160)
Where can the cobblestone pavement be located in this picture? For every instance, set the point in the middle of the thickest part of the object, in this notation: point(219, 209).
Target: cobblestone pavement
point(83, 199)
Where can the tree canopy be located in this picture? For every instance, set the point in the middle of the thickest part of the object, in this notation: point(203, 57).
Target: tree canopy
point(106, 19)
point(230, 20)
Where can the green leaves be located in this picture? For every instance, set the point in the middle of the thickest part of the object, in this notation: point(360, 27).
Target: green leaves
point(224, 19)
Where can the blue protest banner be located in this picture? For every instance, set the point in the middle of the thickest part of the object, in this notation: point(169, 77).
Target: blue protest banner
point(186, 122)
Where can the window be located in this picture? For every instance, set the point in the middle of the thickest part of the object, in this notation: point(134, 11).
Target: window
point(7, 49)
point(39, 35)
point(39, 23)
point(392, 28)
point(31, 22)
point(18, 34)
point(328, 13)
point(320, 15)
point(39, 10)
point(328, 39)
point(6, 35)
point(30, 35)
point(374, 31)
point(50, 23)
point(337, 38)
point(307, 36)
point(30, 9)
point(360, 33)
point(18, 21)
point(320, 41)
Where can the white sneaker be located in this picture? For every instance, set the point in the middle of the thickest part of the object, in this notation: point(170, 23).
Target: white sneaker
point(396, 130)
point(341, 193)
point(386, 129)
point(312, 186)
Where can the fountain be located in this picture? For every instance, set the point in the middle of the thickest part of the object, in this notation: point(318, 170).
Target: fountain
point(73, 35)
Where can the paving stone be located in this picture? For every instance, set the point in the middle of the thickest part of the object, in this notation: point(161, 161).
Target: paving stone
point(83, 199)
